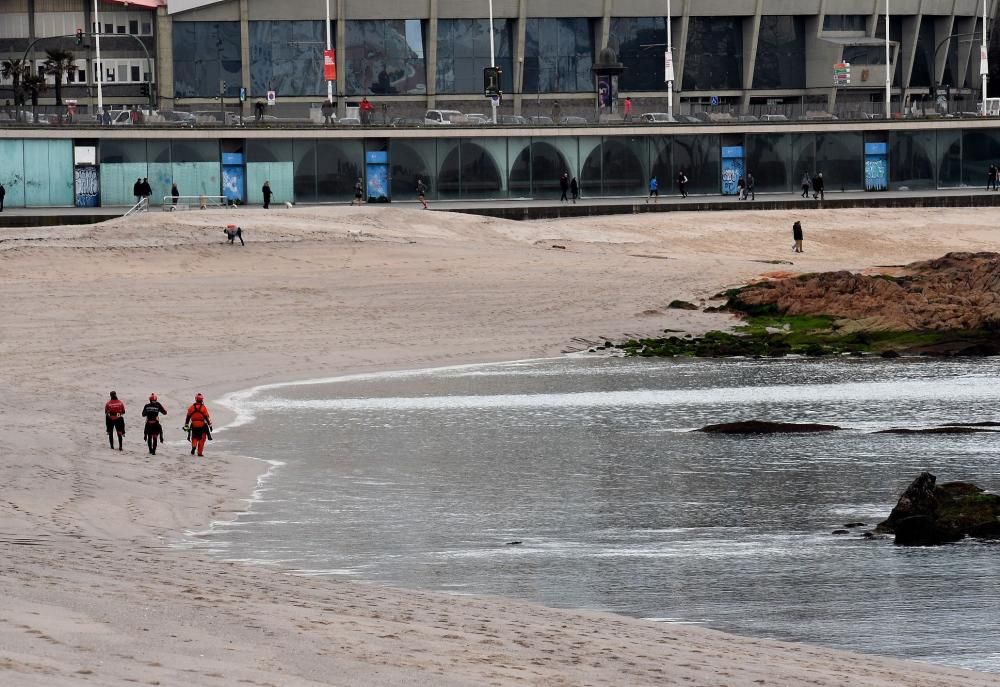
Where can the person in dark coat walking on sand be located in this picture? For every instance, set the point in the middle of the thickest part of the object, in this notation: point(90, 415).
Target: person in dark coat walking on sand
point(797, 237)
point(265, 191)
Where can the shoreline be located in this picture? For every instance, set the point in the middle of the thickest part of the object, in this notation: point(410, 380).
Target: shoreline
point(94, 595)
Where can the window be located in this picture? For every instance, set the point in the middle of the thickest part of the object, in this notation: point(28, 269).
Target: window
point(135, 73)
point(385, 57)
point(287, 57)
point(121, 28)
point(133, 26)
point(845, 22)
point(714, 57)
point(781, 53)
point(640, 43)
point(464, 50)
point(558, 55)
point(198, 72)
point(864, 55)
point(147, 28)
point(109, 28)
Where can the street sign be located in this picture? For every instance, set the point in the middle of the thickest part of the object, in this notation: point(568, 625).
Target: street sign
point(243, 95)
point(272, 98)
point(984, 61)
point(668, 66)
point(714, 100)
point(842, 74)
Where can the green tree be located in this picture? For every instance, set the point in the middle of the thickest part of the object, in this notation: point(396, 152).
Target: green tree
point(34, 84)
point(59, 63)
point(14, 69)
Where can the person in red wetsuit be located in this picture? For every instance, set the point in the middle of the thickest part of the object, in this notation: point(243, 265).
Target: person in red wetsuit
point(199, 423)
point(114, 419)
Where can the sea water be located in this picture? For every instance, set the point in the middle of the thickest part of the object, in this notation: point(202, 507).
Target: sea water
point(579, 483)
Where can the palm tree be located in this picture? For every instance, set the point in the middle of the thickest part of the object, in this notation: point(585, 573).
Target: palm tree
point(14, 69)
point(58, 63)
point(34, 84)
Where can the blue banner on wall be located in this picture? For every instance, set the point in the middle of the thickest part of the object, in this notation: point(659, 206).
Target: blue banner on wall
point(876, 167)
point(86, 186)
point(234, 183)
point(377, 157)
point(733, 168)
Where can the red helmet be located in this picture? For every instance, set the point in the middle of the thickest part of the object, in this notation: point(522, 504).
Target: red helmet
point(152, 397)
point(199, 398)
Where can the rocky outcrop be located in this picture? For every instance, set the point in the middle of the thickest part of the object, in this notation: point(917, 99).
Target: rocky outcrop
point(761, 427)
point(958, 292)
point(947, 429)
point(929, 514)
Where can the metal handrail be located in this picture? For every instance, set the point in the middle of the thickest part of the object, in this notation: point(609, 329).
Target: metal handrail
point(141, 206)
point(188, 202)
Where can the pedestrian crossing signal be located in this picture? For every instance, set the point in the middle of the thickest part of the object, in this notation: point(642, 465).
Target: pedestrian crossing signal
point(491, 81)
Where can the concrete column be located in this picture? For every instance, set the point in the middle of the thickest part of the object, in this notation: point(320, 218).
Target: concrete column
point(244, 51)
point(31, 19)
point(751, 34)
point(604, 27)
point(164, 58)
point(965, 48)
point(911, 30)
point(519, 41)
point(943, 29)
point(680, 52)
point(431, 53)
point(341, 46)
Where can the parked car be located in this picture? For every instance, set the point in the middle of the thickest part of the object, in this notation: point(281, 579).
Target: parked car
point(540, 120)
point(215, 117)
point(747, 118)
point(513, 120)
point(773, 118)
point(349, 121)
point(573, 121)
point(687, 119)
point(406, 121)
point(178, 117)
point(656, 118)
point(444, 117)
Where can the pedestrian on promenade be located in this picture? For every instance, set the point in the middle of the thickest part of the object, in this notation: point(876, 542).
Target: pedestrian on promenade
point(741, 189)
point(265, 191)
point(564, 187)
point(366, 112)
point(574, 189)
point(114, 420)
point(137, 190)
point(682, 182)
point(628, 109)
point(422, 192)
point(146, 189)
point(750, 184)
point(327, 110)
point(806, 183)
point(174, 194)
point(556, 112)
point(819, 187)
point(3, 194)
point(258, 110)
point(991, 177)
point(797, 237)
point(654, 190)
point(359, 192)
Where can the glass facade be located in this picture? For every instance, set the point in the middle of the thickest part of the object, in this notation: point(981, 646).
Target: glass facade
point(385, 57)
point(464, 50)
point(979, 149)
point(700, 158)
point(922, 75)
point(643, 65)
point(713, 60)
point(205, 54)
point(769, 158)
point(911, 160)
point(845, 22)
point(287, 57)
point(781, 53)
point(840, 158)
point(949, 159)
point(558, 55)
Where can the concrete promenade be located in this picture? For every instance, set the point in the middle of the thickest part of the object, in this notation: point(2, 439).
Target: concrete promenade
point(529, 208)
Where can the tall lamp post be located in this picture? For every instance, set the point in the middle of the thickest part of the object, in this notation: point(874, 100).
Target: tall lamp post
point(668, 73)
point(97, 54)
point(329, 46)
point(984, 68)
point(493, 64)
point(888, 65)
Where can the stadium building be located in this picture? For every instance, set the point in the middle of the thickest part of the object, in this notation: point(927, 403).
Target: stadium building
point(408, 56)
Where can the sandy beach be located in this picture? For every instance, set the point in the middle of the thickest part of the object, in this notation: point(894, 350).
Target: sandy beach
point(95, 589)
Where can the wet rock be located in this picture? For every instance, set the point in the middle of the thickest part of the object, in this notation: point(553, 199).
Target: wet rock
point(763, 427)
point(852, 525)
point(682, 305)
point(948, 429)
point(841, 532)
point(929, 514)
point(890, 354)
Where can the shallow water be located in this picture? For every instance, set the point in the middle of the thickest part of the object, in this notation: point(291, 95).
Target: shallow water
point(421, 480)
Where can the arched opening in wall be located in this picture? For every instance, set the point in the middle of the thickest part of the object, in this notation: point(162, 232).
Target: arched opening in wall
point(537, 169)
point(470, 171)
point(408, 161)
point(615, 168)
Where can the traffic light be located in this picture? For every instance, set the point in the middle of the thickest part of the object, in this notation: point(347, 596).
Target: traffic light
point(79, 36)
point(491, 81)
point(144, 88)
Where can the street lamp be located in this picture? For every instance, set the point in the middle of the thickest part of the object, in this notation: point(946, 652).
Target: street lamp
point(984, 60)
point(493, 64)
point(329, 47)
point(668, 72)
point(888, 65)
point(97, 54)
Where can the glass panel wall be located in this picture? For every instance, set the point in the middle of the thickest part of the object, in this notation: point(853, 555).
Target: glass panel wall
point(339, 164)
point(713, 60)
point(408, 161)
point(483, 165)
point(949, 159)
point(700, 158)
point(558, 55)
point(591, 167)
point(287, 57)
point(449, 156)
point(923, 59)
point(304, 161)
point(206, 53)
point(840, 158)
point(464, 50)
point(803, 151)
point(979, 149)
point(660, 150)
point(385, 57)
point(625, 166)
point(781, 53)
point(769, 159)
point(911, 160)
point(643, 65)
point(537, 165)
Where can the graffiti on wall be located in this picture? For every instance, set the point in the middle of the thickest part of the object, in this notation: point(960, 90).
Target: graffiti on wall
point(87, 186)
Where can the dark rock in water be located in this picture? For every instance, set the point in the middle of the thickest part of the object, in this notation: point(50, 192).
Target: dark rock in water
point(762, 427)
point(928, 514)
point(984, 423)
point(852, 525)
point(682, 305)
point(840, 532)
point(890, 354)
point(932, 430)
point(514, 543)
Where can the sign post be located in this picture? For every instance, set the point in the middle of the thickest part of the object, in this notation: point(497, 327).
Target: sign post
point(842, 74)
point(330, 65)
point(272, 98)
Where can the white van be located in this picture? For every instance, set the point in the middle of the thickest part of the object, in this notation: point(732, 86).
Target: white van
point(444, 117)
